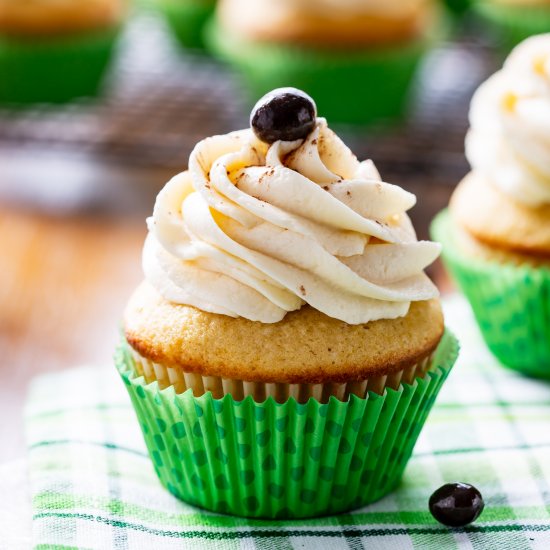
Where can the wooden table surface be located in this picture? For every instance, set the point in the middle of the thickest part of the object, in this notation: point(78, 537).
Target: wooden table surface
point(63, 285)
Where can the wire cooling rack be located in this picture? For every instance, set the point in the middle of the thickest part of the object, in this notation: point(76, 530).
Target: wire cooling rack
point(114, 153)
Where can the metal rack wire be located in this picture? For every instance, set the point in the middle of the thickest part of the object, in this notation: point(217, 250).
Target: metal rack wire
point(160, 101)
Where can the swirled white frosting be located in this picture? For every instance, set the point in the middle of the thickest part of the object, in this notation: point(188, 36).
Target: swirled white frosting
point(256, 231)
point(509, 138)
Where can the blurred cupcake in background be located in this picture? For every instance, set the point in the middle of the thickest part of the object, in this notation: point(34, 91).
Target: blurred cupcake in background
point(496, 235)
point(357, 58)
point(56, 50)
point(514, 20)
point(186, 19)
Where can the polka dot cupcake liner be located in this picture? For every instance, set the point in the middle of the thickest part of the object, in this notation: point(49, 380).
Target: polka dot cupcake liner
point(283, 460)
point(511, 303)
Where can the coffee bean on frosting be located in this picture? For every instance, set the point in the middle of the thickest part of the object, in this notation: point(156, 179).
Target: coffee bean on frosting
point(285, 114)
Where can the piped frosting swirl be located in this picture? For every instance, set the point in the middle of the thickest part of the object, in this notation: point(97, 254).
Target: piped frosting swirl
point(509, 139)
point(256, 231)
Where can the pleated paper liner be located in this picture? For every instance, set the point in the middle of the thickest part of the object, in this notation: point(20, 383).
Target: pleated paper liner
point(511, 303)
point(358, 87)
point(513, 23)
point(54, 70)
point(283, 460)
point(259, 391)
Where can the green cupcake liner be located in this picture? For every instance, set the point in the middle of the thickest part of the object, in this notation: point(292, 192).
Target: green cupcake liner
point(511, 303)
point(54, 70)
point(286, 460)
point(186, 19)
point(513, 24)
point(349, 87)
point(458, 7)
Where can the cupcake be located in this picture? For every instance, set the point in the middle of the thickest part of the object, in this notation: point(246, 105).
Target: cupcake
point(186, 19)
point(356, 58)
point(514, 20)
point(285, 347)
point(496, 234)
point(54, 51)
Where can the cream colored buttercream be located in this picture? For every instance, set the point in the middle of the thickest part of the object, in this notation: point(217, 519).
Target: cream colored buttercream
point(256, 231)
point(509, 139)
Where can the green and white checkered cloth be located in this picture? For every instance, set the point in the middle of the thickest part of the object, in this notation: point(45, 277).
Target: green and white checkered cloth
point(93, 485)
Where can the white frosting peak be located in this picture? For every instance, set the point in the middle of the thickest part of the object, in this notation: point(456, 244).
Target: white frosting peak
point(256, 231)
point(509, 139)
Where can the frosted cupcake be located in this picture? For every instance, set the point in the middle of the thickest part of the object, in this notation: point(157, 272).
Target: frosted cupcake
point(54, 51)
point(286, 346)
point(357, 58)
point(497, 234)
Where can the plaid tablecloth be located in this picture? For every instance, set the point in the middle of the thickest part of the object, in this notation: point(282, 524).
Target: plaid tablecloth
point(93, 485)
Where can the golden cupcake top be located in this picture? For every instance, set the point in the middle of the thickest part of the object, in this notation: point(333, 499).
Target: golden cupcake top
point(327, 22)
point(271, 218)
point(306, 347)
point(498, 221)
point(53, 17)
